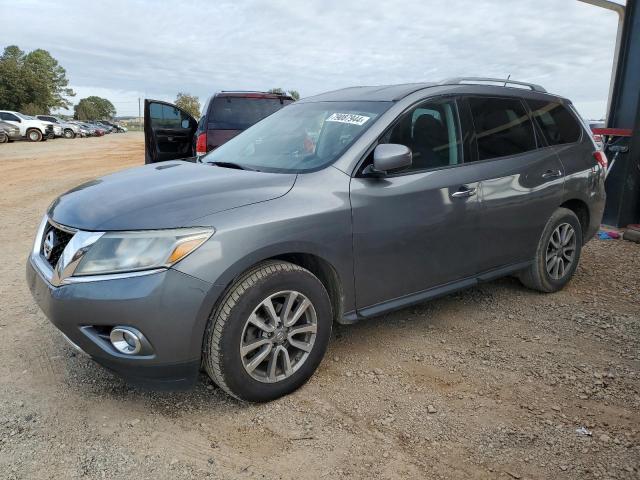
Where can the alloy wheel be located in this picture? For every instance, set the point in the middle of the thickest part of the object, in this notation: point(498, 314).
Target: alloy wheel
point(561, 251)
point(278, 336)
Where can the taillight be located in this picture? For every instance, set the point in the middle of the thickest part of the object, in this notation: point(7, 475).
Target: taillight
point(201, 144)
point(601, 158)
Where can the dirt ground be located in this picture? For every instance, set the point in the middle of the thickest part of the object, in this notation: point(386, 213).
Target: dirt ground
point(489, 383)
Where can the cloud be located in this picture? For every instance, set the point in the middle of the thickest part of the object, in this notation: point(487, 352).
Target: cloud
point(128, 49)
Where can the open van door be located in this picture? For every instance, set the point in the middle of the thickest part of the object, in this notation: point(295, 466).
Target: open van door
point(168, 132)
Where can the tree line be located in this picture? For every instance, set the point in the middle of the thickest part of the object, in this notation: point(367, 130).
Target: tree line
point(35, 83)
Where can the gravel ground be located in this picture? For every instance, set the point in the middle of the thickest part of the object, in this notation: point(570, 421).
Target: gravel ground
point(492, 382)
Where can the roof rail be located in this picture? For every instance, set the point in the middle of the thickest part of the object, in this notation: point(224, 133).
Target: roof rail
point(480, 80)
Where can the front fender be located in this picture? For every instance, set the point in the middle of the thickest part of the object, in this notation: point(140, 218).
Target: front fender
point(311, 219)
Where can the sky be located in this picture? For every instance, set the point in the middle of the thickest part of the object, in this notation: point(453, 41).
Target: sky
point(125, 50)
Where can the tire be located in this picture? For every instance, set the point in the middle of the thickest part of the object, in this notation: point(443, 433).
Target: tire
point(230, 328)
point(4, 139)
point(68, 133)
point(551, 269)
point(34, 135)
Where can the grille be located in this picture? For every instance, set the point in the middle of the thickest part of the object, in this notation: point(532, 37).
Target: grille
point(60, 241)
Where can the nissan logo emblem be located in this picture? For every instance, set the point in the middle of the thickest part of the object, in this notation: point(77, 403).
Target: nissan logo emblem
point(48, 244)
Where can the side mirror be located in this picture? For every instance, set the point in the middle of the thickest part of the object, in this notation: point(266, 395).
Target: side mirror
point(388, 157)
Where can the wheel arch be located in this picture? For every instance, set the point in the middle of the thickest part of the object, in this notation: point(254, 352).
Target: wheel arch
point(581, 209)
point(305, 256)
point(325, 272)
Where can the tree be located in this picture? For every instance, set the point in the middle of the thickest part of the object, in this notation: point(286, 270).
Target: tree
point(293, 93)
point(32, 83)
point(188, 103)
point(94, 108)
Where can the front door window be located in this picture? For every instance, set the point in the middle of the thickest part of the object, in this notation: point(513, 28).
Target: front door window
point(432, 132)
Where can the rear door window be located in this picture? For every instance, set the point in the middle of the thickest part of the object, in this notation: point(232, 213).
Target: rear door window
point(502, 127)
point(239, 113)
point(556, 122)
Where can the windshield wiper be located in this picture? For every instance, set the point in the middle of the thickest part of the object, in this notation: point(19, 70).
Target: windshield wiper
point(237, 166)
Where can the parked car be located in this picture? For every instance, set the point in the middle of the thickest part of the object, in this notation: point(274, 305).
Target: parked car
point(87, 129)
point(106, 128)
point(56, 130)
point(100, 131)
point(337, 208)
point(225, 115)
point(83, 131)
point(12, 132)
point(67, 129)
point(32, 129)
point(114, 126)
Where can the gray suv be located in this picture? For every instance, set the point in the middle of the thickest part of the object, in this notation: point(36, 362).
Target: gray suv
point(336, 208)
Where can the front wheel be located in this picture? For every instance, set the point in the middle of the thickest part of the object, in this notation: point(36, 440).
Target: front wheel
point(68, 133)
point(34, 135)
point(269, 332)
point(557, 255)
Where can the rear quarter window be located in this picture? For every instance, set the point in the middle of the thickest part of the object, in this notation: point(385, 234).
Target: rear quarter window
point(555, 120)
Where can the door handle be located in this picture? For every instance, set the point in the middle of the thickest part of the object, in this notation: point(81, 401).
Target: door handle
point(552, 174)
point(464, 192)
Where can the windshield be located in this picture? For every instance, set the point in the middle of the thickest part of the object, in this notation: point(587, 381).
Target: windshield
point(24, 117)
point(300, 137)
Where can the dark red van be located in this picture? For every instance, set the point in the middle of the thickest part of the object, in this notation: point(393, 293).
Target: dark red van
point(170, 130)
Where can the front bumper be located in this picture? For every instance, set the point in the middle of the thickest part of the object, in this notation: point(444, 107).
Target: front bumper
point(169, 307)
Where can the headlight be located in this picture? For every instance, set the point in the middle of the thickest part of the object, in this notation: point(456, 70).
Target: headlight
point(117, 252)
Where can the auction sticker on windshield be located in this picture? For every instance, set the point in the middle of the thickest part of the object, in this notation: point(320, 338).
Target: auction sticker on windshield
point(351, 118)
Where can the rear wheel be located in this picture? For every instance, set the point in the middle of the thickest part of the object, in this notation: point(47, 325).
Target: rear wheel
point(34, 135)
point(269, 332)
point(557, 255)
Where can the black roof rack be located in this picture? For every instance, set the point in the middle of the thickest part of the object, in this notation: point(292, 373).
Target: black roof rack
point(484, 80)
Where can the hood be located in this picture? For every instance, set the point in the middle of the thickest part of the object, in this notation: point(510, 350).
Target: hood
point(164, 195)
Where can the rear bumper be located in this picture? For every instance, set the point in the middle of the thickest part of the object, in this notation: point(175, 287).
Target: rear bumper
point(170, 308)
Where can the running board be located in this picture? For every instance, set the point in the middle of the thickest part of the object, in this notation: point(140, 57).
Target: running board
point(430, 294)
